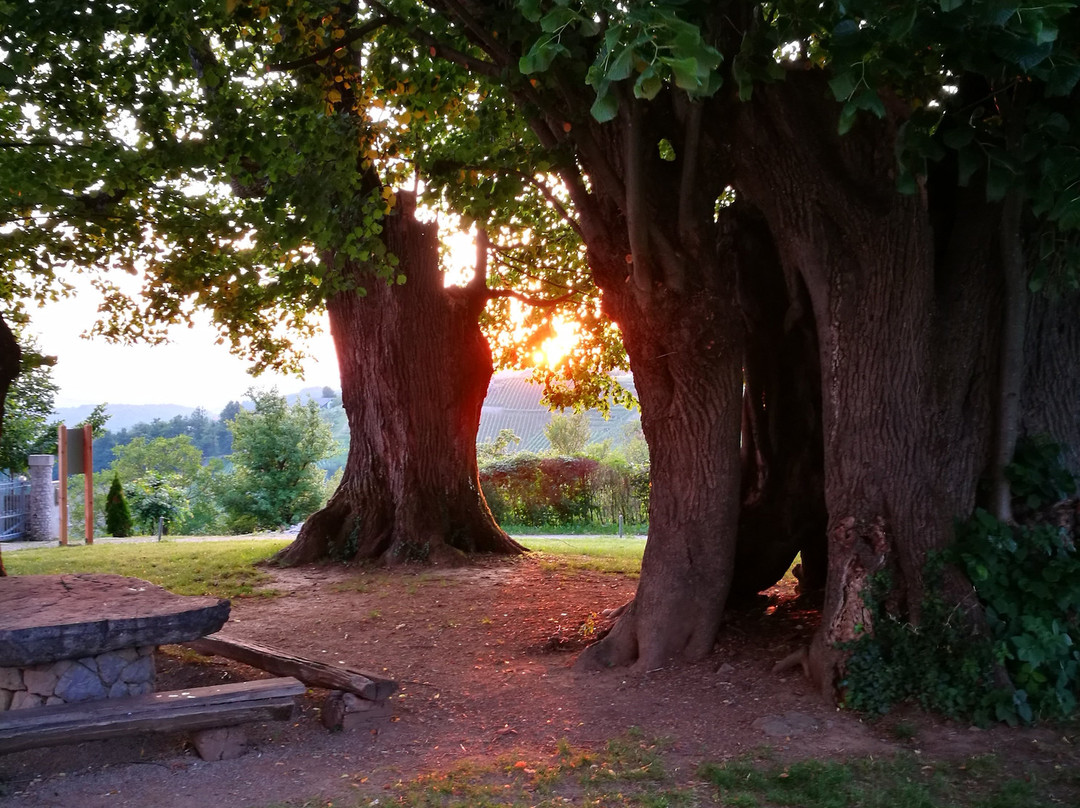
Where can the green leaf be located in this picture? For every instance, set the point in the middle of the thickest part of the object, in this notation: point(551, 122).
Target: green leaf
point(540, 56)
point(900, 28)
point(530, 10)
point(687, 72)
point(843, 85)
point(868, 99)
point(606, 105)
point(950, 5)
point(557, 19)
point(621, 65)
point(648, 84)
point(1063, 78)
point(847, 118)
point(958, 138)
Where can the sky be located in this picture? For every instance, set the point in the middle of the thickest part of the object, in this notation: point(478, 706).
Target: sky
point(189, 370)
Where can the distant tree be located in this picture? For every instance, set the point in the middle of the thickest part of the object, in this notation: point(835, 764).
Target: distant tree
point(276, 480)
point(497, 448)
point(569, 434)
point(162, 456)
point(328, 392)
point(230, 411)
point(27, 425)
point(158, 496)
point(117, 512)
point(634, 449)
point(96, 419)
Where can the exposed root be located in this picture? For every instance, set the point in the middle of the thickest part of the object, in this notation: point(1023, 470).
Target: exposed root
point(800, 657)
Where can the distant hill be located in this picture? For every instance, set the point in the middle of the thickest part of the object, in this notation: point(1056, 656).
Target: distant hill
point(513, 402)
point(122, 416)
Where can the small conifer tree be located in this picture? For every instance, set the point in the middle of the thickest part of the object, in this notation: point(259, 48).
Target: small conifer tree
point(117, 513)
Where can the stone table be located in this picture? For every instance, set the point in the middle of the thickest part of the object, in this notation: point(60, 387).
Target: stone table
point(77, 637)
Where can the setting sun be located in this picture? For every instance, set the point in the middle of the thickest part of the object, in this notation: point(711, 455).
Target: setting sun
point(553, 349)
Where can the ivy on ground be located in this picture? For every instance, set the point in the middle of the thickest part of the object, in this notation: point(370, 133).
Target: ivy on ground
point(1026, 665)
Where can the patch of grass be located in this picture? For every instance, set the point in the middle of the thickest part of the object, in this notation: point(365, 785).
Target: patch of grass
point(627, 773)
point(582, 529)
point(597, 553)
point(905, 780)
point(224, 569)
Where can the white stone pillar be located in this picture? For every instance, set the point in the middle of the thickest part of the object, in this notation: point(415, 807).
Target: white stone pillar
point(43, 525)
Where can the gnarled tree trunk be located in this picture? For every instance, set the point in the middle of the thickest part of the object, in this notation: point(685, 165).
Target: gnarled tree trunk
point(414, 369)
point(895, 389)
point(686, 352)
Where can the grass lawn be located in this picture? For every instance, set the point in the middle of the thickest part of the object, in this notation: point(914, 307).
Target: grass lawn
point(601, 553)
point(221, 568)
point(630, 772)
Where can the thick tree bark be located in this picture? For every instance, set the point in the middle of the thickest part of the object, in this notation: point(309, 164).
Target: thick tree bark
point(867, 254)
point(1052, 382)
point(414, 369)
point(686, 354)
point(10, 358)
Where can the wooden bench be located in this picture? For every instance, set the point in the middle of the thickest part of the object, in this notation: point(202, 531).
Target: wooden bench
point(202, 710)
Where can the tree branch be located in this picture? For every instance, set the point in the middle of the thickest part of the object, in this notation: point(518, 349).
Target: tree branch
point(440, 49)
point(479, 35)
point(330, 50)
point(637, 228)
point(539, 302)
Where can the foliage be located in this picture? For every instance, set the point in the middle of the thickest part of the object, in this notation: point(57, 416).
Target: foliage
point(223, 569)
point(117, 512)
point(1027, 576)
point(155, 496)
point(163, 456)
point(558, 492)
point(210, 436)
point(497, 448)
point(276, 480)
point(940, 663)
point(568, 434)
point(28, 428)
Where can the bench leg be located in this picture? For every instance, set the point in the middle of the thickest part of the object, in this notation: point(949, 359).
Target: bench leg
point(220, 743)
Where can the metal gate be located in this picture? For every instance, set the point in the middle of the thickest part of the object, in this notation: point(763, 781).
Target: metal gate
point(14, 508)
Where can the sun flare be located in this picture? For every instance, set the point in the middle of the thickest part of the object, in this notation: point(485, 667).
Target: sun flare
point(554, 349)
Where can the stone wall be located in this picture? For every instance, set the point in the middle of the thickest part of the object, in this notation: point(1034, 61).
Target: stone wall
point(114, 674)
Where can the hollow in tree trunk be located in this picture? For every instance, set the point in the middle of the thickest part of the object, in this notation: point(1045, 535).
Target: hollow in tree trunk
point(895, 389)
point(783, 499)
point(414, 369)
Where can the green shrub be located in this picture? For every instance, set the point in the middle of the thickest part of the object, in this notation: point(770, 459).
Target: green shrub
point(117, 512)
point(1027, 576)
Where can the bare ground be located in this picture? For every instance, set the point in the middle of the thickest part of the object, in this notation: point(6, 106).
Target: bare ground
point(483, 655)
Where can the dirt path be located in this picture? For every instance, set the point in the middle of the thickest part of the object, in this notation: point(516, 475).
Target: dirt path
point(483, 656)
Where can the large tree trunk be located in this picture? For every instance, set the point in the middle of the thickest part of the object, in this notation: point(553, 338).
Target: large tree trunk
point(1051, 390)
point(414, 369)
point(10, 358)
point(686, 354)
point(867, 254)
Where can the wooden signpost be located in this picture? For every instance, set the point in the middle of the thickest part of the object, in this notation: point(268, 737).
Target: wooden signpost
point(76, 451)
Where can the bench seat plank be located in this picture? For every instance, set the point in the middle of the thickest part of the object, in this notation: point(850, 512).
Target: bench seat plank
point(281, 663)
point(193, 708)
